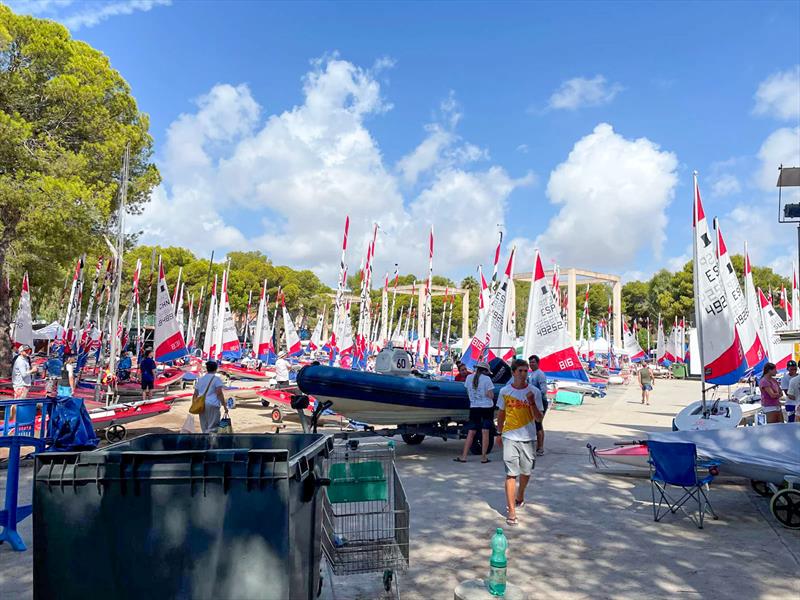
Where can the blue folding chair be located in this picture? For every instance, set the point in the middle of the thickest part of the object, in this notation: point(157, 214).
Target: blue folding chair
point(675, 464)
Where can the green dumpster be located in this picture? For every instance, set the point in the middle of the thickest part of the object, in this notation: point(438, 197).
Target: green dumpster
point(678, 370)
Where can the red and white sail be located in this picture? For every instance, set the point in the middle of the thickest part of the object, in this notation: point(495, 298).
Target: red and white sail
point(661, 343)
point(209, 340)
point(795, 301)
point(23, 324)
point(721, 352)
point(786, 305)
point(753, 301)
point(169, 343)
point(631, 344)
point(779, 352)
point(484, 297)
point(262, 336)
point(293, 345)
point(509, 334)
point(546, 333)
point(754, 351)
point(227, 340)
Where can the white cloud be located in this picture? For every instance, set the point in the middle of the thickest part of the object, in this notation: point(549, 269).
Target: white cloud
point(726, 185)
point(580, 91)
point(779, 95)
point(76, 14)
point(782, 147)
point(523, 148)
point(613, 194)
point(290, 180)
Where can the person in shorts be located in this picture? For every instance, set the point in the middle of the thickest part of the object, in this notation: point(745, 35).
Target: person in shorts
point(480, 390)
point(646, 382)
point(520, 407)
point(147, 372)
point(539, 380)
point(791, 373)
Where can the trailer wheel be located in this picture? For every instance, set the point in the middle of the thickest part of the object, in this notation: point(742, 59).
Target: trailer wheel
point(276, 415)
point(265, 403)
point(476, 449)
point(760, 488)
point(413, 439)
point(115, 433)
point(785, 507)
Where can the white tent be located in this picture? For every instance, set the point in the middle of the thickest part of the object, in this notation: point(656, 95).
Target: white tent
point(49, 332)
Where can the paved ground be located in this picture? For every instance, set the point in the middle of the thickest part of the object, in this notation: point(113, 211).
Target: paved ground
point(582, 535)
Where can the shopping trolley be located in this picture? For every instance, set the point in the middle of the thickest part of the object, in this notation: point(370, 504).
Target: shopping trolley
point(365, 514)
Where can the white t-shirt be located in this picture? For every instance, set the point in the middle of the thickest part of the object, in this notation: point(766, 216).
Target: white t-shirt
point(786, 380)
point(477, 396)
point(794, 388)
point(282, 369)
point(213, 383)
point(519, 424)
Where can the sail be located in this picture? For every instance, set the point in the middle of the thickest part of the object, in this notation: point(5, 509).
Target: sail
point(228, 346)
point(754, 352)
point(786, 305)
point(23, 324)
point(397, 334)
point(779, 352)
point(795, 301)
point(753, 303)
point(509, 334)
point(661, 344)
point(631, 344)
point(168, 342)
point(179, 315)
point(383, 336)
point(209, 340)
point(721, 352)
point(546, 333)
point(262, 336)
point(483, 298)
point(293, 346)
point(316, 336)
point(490, 328)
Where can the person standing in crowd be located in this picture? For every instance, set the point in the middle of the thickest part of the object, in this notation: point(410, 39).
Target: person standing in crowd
point(771, 394)
point(52, 370)
point(520, 406)
point(646, 382)
point(22, 372)
point(211, 386)
point(463, 372)
point(282, 371)
point(124, 367)
point(791, 373)
point(66, 380)
point(147, 372)
point(539, 380)
point(480, 390)
point(793, 395)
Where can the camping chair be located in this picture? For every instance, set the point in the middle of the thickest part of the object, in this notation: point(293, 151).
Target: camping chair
point(675, 464)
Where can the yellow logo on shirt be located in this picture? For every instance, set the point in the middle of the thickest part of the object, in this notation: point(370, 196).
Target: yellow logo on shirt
point(518, 413)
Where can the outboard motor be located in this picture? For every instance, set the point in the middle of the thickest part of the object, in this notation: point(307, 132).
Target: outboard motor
point(393, 361)
point(500, 371)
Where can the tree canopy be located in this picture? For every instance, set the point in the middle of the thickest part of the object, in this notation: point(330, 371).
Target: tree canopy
point(66, 117)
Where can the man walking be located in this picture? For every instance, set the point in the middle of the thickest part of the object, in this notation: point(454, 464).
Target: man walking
point(211, 386)
point(646, 382)
point(282, 371)
point(520, 407)
point(539, 380)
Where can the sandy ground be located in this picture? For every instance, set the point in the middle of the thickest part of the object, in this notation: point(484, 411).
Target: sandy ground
point(582, 535)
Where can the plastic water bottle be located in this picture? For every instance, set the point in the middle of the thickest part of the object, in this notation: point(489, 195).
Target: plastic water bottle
point(496, 583)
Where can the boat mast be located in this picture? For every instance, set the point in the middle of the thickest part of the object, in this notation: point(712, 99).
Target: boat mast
point(695, 282)
point(115, 339)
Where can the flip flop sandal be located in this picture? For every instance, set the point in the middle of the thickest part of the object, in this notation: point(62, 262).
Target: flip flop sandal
point(459, 459)
point(486, 461)
point(519, 503)
point(512, 521)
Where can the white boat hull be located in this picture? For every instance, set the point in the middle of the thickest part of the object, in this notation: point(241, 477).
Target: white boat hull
point(691, 418)
point(382, 413)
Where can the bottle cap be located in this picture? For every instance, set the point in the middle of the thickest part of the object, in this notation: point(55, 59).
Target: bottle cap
point(500, 530)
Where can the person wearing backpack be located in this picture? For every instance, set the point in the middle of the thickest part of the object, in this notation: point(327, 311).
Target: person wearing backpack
point(208, 399)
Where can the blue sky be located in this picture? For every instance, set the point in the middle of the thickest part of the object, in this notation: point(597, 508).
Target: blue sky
point(273, 120)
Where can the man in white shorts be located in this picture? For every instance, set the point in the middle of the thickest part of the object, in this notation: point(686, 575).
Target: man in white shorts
point(520, 406)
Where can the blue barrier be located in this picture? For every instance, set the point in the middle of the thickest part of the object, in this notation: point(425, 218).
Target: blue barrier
point(24, 428)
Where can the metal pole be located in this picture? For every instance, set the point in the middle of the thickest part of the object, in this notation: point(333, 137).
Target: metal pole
point(115, 339)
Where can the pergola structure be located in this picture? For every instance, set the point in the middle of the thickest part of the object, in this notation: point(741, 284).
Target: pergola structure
point(586, 277)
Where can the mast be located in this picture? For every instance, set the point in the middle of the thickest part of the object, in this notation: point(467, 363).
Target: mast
point(696, 283)
point(115, 340)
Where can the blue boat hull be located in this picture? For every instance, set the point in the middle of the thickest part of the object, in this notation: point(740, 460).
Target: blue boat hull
point(386, 399)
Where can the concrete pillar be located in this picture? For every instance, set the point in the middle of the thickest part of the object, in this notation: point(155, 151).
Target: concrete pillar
point(465, 320)
point(571, 303)
point(616, 294)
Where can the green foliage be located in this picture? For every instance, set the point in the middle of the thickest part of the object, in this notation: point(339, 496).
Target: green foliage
point(66, 117)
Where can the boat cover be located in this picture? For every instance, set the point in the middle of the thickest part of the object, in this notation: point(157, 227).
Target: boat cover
point(763, 453)
point(72, 427)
